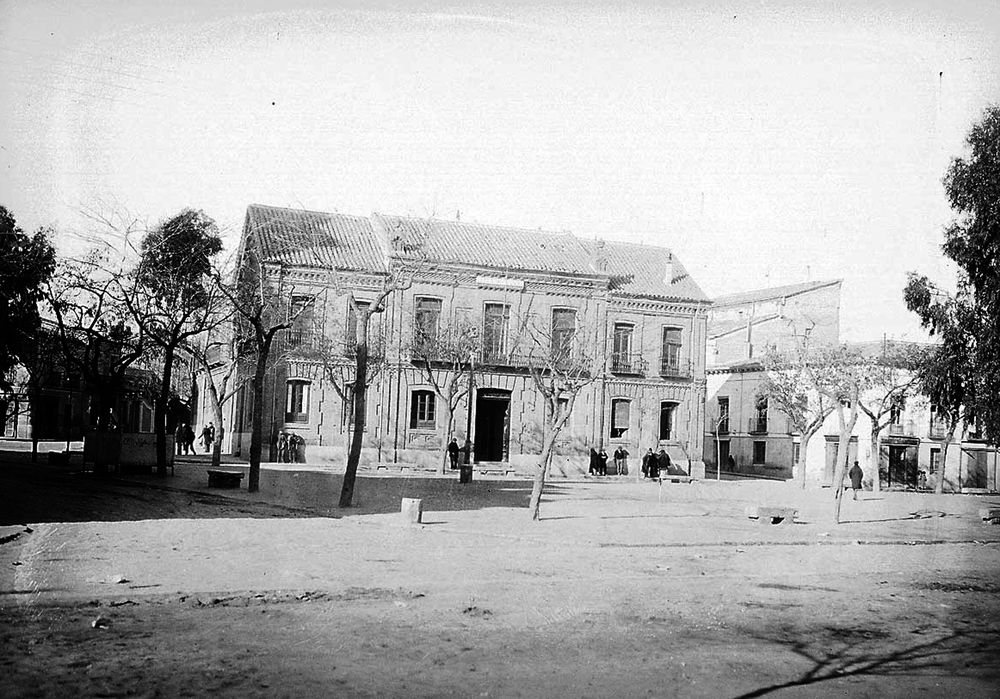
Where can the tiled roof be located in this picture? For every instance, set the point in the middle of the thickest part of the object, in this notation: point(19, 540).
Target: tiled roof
point(354, 242)
point(490, 246)
point(775, 292)
point(648, 265)
point(315, 239)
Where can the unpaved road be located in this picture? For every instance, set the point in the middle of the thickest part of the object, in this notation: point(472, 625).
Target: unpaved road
point(256, 605)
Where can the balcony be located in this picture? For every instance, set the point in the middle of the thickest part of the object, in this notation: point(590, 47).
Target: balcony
point(496, 357)
point(938, 429)
point(757, 425)
point(674, 370)
point(628, 364)
point(720, 424)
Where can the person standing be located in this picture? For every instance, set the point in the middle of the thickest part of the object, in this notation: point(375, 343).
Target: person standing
point(189, 440)
point(283, 448)
point(647, 459)
point(594, 461)
point(179, 437)
point(602, 463)
point(856, 475)
point(206, 438)
point(453, 453)
point(621, 461)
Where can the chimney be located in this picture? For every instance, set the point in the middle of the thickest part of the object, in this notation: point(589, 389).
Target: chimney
point(668, 274)
point(600, 258)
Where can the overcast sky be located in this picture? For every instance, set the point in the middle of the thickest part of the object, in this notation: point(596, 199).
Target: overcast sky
point(765, 143)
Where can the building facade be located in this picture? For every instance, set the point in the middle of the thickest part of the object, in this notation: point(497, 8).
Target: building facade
point(634, 308)
point(747, 436)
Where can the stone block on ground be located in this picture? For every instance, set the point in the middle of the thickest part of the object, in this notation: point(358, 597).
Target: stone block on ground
point(412, 510)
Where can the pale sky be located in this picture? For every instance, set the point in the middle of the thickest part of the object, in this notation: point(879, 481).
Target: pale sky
point(765, 143)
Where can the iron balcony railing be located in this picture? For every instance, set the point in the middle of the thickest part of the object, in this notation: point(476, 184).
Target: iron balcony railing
point(674, 370)
point(628, 363)
point(938, 429)
point(757, 425)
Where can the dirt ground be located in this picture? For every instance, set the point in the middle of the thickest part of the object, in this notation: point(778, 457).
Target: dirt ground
point(624, 589)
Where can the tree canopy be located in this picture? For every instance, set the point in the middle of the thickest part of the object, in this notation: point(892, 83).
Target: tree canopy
point(26, 264)
point(966, 369)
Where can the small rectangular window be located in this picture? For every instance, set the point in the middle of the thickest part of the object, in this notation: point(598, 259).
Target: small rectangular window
point(723, 414)
point(759, 452)
point(563, 328)
point(935, 461)
point(670, 356)
point(422, 410)
point(297, 401)
point(427, 316)
point(621, 413)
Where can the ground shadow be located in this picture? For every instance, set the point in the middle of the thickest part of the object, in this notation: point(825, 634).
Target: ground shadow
point(35, 493)
point(839, 652)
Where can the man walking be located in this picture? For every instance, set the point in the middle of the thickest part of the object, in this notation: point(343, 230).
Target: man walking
point(856, 474)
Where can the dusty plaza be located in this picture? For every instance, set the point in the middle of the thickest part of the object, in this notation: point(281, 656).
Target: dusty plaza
point(144, 586)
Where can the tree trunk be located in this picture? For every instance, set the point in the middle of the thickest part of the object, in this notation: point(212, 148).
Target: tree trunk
point(939, 486)
point(446, 440)
point(873, 462)
point(543, 468)
point(257, 415)
point(213, 394)
point(357, 435)
point(803, 451)
point(843, 455)
point(161, 411)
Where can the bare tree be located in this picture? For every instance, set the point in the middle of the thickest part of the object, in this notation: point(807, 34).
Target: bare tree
point(892, 378)
point(561, 362)
point(446, 357)
point(792, 387)
point(95, 333)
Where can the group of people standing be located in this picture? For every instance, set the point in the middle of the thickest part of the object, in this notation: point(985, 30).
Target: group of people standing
point(289, 447)
point(599, 462)
point(184, 438)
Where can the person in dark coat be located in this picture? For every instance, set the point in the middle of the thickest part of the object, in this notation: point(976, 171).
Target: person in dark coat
point(621, 461)
point(594, 459)
point(283, 448)
point(856, 475)
point(179, 438)
point(646, 458)
point(206, 438)
point(602, 463)
point(189, 440)
point(453, 453)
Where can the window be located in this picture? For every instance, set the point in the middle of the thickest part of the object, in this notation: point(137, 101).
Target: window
point(759, 452)
point(563, 328)
point(422, 410)
point(896, 412)
point(670, 357)
point(667, 413)
point(621, 412)
point(426, 317)
point(796, 451)
point(723, 414)
point(297, 401)
point(562, 405)
point(935, 461)
point(352, 321)
point(758, 423)
point(621, 359)
point(496, 317)
point(300, 314)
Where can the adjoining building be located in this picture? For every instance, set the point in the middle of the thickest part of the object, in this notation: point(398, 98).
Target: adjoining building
point(642, 316)
point(747, 436)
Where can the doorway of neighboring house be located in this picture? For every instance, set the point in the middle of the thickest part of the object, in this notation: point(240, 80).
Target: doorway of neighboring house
point(830, 463)
point(975, 469)
point(902, 467)
point(723, 454)
point(492, 436)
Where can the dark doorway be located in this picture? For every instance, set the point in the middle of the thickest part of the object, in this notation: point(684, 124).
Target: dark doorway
point(492, 434)
point(902, 467)
point(975, 474)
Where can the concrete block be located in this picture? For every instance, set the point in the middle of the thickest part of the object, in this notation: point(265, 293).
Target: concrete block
point(412, 510)
point(776, 515)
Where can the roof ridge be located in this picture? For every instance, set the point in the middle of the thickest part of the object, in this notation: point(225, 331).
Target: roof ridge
point(305, 211)
point(763, 292)
point(520, 229)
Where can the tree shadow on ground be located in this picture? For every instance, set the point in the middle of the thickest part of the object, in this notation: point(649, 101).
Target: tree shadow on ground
point(841, 652)
point(31, 494)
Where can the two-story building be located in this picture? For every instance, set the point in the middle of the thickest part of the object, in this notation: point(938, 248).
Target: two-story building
point(633, 308)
